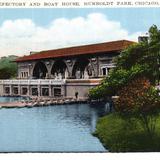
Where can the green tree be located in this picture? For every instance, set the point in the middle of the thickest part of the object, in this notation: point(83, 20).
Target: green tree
point(144, 53)
point(139, 59)
point(8, 68)
point(133, 80)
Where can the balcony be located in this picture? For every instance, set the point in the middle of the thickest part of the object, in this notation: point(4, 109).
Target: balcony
point(33, 82)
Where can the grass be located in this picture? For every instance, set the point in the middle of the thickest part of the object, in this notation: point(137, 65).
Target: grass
point(123, 135)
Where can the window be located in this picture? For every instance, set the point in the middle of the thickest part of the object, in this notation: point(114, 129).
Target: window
point(15, 90)
point(7, 90)
point(45, 91)
point(34, 91)
point(104, 71)
point(22, 74)
point(24, 91)
point(57, 92)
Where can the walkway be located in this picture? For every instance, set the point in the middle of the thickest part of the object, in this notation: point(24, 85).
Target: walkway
point(41, 102)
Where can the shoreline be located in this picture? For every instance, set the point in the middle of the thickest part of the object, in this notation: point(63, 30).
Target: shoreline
point(30, 102)
point(41, 102)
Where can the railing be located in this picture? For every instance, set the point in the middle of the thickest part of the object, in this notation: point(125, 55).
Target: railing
point(34, 82)
point(47, 81)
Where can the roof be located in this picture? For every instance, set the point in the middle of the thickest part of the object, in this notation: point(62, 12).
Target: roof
point(78, 50)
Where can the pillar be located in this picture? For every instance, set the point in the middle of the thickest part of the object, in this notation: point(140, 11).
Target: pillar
point(49, 65)
point(28, 90)
point(70, 63)
point(50, 91)
point(19, 90)
point(63, 91)
point(95, 66)
point(39, 90)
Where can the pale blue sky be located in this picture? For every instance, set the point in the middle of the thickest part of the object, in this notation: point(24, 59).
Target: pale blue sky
point(132, 19)
point(25, 30)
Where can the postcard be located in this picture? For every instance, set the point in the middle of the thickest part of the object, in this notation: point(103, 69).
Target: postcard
point(79, 76)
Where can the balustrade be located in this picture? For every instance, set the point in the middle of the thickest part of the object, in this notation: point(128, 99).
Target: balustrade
point(34, 82)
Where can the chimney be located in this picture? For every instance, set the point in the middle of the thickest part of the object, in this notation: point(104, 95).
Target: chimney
point(33, 52)
point(143, 38)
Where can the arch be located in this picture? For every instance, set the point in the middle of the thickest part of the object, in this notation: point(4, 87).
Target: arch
point(82, 68)
point(59, 70)
point(40, 70)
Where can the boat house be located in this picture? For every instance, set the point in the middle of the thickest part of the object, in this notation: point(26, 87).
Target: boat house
point(63, 72)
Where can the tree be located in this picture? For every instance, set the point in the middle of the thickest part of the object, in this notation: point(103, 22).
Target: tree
point(8, 68)
point(139, 59)
point(144, 53)
point(141, 100)
point(134, 81)
point(117, 79)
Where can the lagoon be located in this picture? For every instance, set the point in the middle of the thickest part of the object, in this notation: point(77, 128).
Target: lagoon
point(58, 128)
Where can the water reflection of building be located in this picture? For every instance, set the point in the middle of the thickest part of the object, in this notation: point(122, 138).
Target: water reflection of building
point(63, 72)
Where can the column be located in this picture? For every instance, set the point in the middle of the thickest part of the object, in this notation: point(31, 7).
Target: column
point(39, 90)
point(50, 91)
point(19, 90)
point(62, 91)
point(28, 90)
point(70, 64)
point(95, 67)
point(11, 91)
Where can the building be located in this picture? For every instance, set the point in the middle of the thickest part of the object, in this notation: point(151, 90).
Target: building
point(63, 72)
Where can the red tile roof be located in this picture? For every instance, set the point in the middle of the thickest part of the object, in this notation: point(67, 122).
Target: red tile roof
point(78, 50)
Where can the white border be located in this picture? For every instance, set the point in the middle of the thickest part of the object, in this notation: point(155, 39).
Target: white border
point(78, 3)
point(81, 156)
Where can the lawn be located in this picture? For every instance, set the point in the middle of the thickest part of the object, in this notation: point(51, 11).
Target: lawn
point(126, 135)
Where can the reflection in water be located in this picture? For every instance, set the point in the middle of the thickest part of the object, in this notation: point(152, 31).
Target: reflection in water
point(11, 99)
point(53, 128)
point(94, 118)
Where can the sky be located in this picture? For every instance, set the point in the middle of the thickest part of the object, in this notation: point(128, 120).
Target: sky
point(26, 30)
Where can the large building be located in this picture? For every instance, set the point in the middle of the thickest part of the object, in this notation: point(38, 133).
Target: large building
point(63, 72)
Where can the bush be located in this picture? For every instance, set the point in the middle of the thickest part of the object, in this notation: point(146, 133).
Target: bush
point(129, 95)
point(141, 100)
point(117, 79)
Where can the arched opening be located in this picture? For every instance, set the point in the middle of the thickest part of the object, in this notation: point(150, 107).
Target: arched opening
point(59, 70)
point(82, 69)
point(40, 71)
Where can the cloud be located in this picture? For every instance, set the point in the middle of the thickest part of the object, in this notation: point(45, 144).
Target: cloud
point(21, 36)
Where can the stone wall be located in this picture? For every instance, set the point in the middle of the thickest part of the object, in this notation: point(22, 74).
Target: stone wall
point(82, 87)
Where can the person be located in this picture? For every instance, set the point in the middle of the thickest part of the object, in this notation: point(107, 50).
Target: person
point(76, 95)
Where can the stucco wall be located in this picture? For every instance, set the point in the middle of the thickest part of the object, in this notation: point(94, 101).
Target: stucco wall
point(82, 90)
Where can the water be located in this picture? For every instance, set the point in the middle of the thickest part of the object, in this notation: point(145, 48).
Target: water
point(61, 128)
point(11, 99)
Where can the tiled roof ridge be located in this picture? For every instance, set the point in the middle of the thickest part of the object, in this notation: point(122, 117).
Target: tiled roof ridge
point(86, 45)
point(78, 50)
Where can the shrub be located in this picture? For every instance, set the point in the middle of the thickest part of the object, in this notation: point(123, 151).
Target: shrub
point(141, 100)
